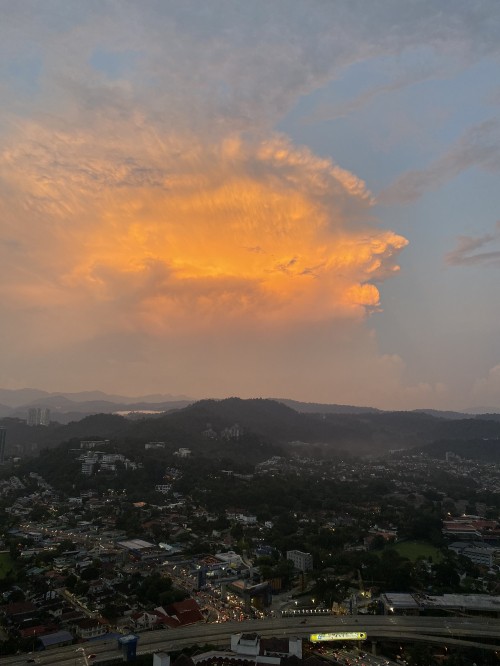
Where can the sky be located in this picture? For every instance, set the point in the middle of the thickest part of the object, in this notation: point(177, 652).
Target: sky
point(287, 198)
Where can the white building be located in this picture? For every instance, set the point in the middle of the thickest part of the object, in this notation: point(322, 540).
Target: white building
point(301, 561)
point(154, 445)
point(230, 558)
point(245, 519)
point(113, 457)
point(183, 453)
point(252, 647)
point(38, 416)
point(88, 465)
point(163, 488)
point(161, 659)
point(92, 443)
point(479, 553)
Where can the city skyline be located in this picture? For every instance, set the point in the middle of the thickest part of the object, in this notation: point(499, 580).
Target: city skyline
point(281, 199)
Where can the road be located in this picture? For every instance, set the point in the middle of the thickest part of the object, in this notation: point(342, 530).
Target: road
point(444, 631)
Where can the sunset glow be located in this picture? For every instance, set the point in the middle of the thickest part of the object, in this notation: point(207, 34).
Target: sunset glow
point(251, 199)
point(203, 233)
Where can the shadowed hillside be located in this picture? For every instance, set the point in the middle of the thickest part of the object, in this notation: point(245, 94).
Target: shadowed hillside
point(271, 422)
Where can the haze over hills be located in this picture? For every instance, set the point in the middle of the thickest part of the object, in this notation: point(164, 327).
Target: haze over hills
point(68, 406)
point(27, 396)
point(326, 408)
point(273, 423)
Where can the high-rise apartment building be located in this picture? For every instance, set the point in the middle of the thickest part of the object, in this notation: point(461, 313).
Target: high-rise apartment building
point(38, 416)
point(3, 435)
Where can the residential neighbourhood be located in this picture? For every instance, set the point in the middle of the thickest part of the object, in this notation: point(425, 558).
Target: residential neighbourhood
point(79, 567)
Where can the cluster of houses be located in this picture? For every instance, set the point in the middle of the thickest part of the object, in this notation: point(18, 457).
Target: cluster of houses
point(103, 557)
point(54, 621)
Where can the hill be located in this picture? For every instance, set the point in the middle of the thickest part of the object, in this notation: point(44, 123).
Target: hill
point(326, 408)
point(66, 407)
point(273, 424)
point(483, 450)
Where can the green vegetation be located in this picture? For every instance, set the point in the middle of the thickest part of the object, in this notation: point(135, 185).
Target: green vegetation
point(269, 425)
point(158, 590)
point(6, 565)
point(415, 550)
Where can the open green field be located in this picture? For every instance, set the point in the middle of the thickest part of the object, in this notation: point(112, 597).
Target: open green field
point(6, 564)
point(414, 550)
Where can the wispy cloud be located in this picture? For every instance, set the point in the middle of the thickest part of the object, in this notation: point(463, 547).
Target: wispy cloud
point(469, 251)
point(144, 184)
point(331, 111)
point(478, 147)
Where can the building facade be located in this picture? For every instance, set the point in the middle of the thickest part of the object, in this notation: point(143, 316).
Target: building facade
point(38, 416)
point(301, 561)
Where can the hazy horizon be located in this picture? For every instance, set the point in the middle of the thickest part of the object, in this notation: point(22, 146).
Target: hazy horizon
point(15, 401)
point(293, 199)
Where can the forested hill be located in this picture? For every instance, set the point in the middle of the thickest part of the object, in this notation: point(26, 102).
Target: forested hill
point(272, 422)
point(98, 426)
point(483, 450)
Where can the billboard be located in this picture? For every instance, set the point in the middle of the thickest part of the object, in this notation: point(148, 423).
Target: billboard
point(339, 636)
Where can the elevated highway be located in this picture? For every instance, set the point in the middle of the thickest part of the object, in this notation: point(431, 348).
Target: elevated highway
point(472, 632)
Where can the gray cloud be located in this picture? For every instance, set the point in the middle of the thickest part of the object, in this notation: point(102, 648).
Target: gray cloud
point(478, 147)
point(332, 111)
point(466, 252)
point(117, 158)
point(227, 64)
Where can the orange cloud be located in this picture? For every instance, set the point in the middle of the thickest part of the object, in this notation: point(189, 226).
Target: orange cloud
point(161, 233)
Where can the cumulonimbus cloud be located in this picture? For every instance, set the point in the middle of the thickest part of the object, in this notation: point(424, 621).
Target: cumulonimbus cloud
point(164, 229)
point(143, 188)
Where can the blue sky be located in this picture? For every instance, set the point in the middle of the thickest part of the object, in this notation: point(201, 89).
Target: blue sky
point(443, 320)
point(294, 199)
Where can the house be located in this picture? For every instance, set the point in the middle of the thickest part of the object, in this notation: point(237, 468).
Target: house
point(144, 620)
point(180, 614)
point(89, 628)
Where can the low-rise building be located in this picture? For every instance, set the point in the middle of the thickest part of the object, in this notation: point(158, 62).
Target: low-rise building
point(301, 561)
point(478, 553)
point(399, 603)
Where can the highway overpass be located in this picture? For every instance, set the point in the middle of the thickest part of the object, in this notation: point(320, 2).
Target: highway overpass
point(471, 632)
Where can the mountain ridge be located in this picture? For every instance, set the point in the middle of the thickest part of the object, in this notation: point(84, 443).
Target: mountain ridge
point(15, 402)
point(271, 422)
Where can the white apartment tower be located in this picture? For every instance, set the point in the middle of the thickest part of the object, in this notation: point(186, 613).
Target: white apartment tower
point(38, 416)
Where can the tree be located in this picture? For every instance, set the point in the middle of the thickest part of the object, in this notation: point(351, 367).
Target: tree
point(90, 573)
point(81, 588)
point(330, 590)
point(71, 582)
point(39, 514)
point(65, 545)
point(110, 612)
point(158, 590)
point(16, 595)
point(378, 542)
point(237, 531)
point(445, 574)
